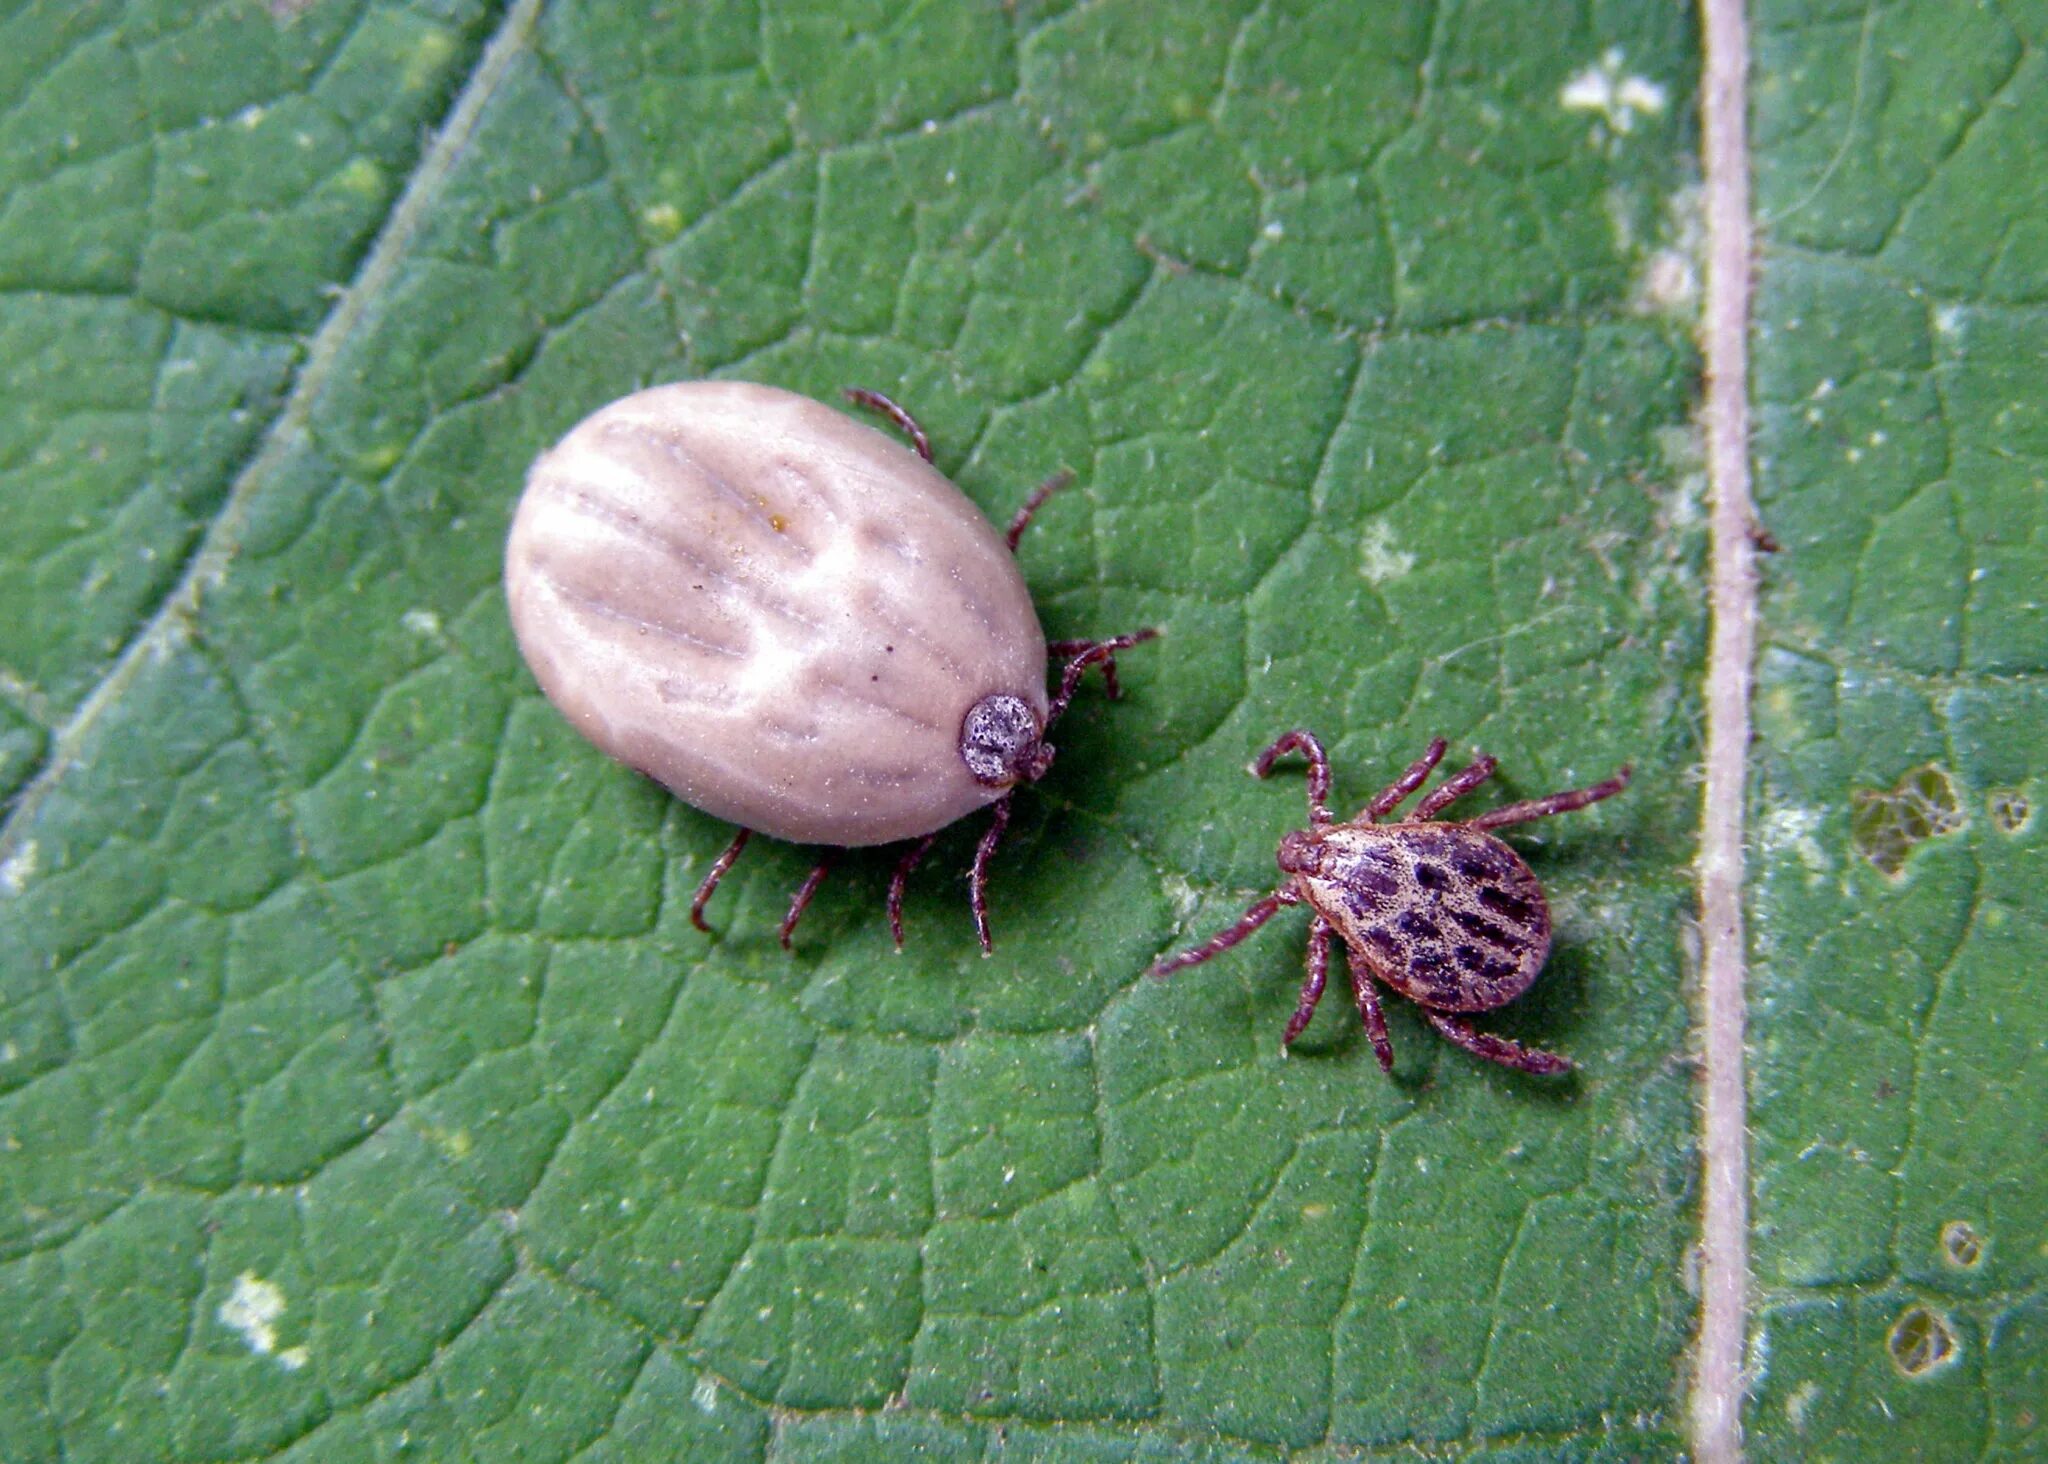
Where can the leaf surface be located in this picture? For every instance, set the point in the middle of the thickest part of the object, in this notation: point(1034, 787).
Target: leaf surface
point(1900, 1049)
point(365, 1086)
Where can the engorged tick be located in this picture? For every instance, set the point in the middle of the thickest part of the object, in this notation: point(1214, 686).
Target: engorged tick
point(1443, 912)
point(792, 621)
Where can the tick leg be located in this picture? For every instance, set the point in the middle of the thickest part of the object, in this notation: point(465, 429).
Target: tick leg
point(977, 887)
point(1496, 1049)
point(1102, 653)
point(1312, 988)
point(874, 401)
point(1306, 744)
point(899, 879)
point(1368, 998)
point(1454, 787)
point(801, 900)
point(1260, 912)
point(1564, 802)
point(716, 873)
point(1022, 519)
point(1388, 797)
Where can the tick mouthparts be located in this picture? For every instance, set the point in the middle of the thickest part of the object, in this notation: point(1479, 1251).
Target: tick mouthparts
point(1000, 741)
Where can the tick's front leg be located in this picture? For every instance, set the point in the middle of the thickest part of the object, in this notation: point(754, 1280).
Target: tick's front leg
point(1312, 988)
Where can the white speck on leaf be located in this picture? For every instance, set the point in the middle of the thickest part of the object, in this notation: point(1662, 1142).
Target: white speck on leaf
point(19, 868)
point(705, 1395)
point(423, 623)
point(1619, 99)
point(252, 1310)
point(1378, 560)
point(1792, 830)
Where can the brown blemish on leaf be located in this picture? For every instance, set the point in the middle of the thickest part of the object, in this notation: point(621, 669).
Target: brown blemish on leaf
point(1961, 1245)
point(2009, 809)
point(1886, 824)
point(1921, 1341)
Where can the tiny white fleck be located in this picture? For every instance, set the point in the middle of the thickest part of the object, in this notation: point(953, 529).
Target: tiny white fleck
point(252, 1310)
point(1619, 99)
point(1378, 560)
point(1274, 229)
point(1184, 896)
point(18, 868)
point(705, 1395)
point(1791, 830)
point(421, 623)
point(1800, 1403)
point(1949, 320)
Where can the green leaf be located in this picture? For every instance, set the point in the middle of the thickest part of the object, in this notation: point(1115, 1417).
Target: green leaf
point(363, 1086)
point(1901, 1051)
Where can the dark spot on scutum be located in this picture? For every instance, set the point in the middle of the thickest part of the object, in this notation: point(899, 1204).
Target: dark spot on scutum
point(1485, 929)
point(1430, 965)
point(1430, 876)
point(1371, 882)
point(1481, 964)
point(1418, 927)
point(1423, 845)
point(1384, 945)
point(1502, 903)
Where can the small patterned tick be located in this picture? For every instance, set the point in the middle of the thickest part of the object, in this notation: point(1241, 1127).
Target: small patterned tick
point(794, 622)
point(1443, 912)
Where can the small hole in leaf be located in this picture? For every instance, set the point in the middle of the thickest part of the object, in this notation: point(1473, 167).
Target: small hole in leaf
point(1961, 1244)
point(2009, 809)
point(1886, 824)
point(1921, 1341)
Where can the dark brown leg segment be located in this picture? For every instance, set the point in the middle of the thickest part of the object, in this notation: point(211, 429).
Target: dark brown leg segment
point(1454, 788)
point(874, 401)
point(977, 886)
point(1564, 802)
point(1022, 519)
point(1312, 988)
point(1385, 801)
point(1496, 1049)
point(1368, 998)
point(801, 900)
point(1306, 744)
point(899, 879)
point(1260, 912)
point(716, 873)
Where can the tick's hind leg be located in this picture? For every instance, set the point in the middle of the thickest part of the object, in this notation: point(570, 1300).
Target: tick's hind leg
point(716, 873)
point(1385, 801)
point(874, 401)
point(801, 900)
point(1312, 988)
point(898, 880)
point(1502, 1050)
point(1563, 802)
point(1021, 520)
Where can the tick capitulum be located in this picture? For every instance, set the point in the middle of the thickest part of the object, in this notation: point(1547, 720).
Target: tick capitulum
point(1441, 911)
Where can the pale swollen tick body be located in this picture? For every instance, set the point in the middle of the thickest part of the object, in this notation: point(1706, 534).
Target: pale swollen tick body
point(792, 621)
point(1443, 912)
